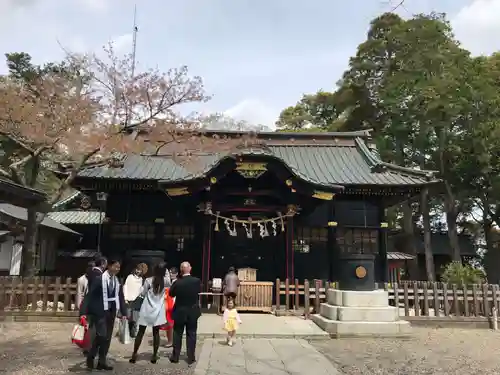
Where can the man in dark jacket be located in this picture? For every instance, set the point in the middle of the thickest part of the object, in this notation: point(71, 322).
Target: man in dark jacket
point(186, 312)
point(231, 284)
point(101, 264)
point(94, 273)
point(103, 300)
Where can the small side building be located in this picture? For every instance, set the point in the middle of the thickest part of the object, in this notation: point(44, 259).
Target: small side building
point(14, 202)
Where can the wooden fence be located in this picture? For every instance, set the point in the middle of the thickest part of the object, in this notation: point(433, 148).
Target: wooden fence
point(39, 295)
point(54, 296)
point(415, 299)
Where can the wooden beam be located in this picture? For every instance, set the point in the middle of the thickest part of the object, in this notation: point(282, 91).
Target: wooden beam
point(227, 208)
point(249, 193)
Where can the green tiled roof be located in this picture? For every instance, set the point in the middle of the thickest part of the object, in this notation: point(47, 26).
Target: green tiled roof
point(21, 214)
point(322, 164)
point(77, 217)
point(70, 198)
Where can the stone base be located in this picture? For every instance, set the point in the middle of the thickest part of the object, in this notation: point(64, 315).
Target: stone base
point(373, 298)
point(360, 313)
point(336, 328)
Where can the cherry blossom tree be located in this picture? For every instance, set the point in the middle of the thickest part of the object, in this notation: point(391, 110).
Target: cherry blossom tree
point(92, 110)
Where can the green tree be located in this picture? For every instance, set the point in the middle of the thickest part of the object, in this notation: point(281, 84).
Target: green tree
point(462, 274)
point(406, 82)
point(481, 152)
point(312, 111)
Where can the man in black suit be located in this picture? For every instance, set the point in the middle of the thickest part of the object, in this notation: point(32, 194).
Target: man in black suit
point(95, 273)
point(101, 263)
point(186, 312)
point(101, 303)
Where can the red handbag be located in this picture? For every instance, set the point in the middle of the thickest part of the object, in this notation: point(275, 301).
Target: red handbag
point(80, 335)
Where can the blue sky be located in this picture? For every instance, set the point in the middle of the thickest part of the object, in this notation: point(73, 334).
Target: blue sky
point(255, 56)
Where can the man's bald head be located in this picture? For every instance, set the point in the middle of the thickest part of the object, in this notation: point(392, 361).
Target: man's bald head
point(185, 268)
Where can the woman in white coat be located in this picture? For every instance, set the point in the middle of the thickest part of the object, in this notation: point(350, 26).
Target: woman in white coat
point(152, 311)
point(131, 290)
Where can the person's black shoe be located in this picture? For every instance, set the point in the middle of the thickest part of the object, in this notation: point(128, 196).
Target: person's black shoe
point(190, 362)
point(154, 359)
point(104, 366)
point(133, 359)
point(90, 364)
point(173, 360)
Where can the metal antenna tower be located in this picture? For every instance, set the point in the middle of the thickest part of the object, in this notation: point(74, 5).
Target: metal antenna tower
point(132, 72)
point(134, 40)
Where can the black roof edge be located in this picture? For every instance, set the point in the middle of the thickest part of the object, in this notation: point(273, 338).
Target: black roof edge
point(70, 198)
point(378, 165)
point(26, 193)
point(280, 135)
point(296, 135)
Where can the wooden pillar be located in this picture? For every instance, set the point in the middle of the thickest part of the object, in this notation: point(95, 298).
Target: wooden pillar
point(333, 251)
point(332, 247)
point(207, 253)
point(159, 239)
point(383, 263)
point(289, 258)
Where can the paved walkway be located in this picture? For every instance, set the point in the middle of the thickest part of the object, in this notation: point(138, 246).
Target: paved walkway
point(263, 357)
point(263, 326)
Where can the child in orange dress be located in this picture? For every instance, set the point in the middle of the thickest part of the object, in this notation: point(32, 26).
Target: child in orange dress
point(169, 307)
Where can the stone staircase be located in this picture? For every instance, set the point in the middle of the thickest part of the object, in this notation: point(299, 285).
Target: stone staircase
point(360, 313)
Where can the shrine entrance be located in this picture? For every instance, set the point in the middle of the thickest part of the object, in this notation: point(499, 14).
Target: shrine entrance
point(265, 254)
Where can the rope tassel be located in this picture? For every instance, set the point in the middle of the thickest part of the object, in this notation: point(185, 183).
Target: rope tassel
point(217, 222)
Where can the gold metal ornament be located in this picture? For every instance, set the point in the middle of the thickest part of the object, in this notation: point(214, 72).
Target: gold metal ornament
point(251, 170)
point(323, 195)
point(360, 272)
point(174, 192)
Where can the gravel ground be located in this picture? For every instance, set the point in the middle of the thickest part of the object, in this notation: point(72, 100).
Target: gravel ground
point(449, 351)
point(45, 348)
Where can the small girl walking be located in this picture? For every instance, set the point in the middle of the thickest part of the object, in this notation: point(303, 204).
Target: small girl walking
point(231, 321)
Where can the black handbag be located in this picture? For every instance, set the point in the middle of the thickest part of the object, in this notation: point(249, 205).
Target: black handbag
point(137, 303)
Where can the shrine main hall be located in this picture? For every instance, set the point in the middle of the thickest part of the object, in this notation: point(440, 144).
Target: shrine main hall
point(292, 205)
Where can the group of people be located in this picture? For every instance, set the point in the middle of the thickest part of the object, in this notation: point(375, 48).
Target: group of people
point(164, 301)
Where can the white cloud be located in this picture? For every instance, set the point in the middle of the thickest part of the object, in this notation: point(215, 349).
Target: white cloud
point(77, 44)
point(11, 4)
point(254, 112)
point(477, 26)
point(94, 5)
point(123, 43)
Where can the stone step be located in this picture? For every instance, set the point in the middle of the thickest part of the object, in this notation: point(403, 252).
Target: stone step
point(359, 314)
point(373, 298)
point(335, 328)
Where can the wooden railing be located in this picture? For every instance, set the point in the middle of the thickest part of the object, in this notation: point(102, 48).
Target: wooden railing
point(52, 295)
point(55, 296)
point(424, 299)
point(413, 298)
point(297, 297)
